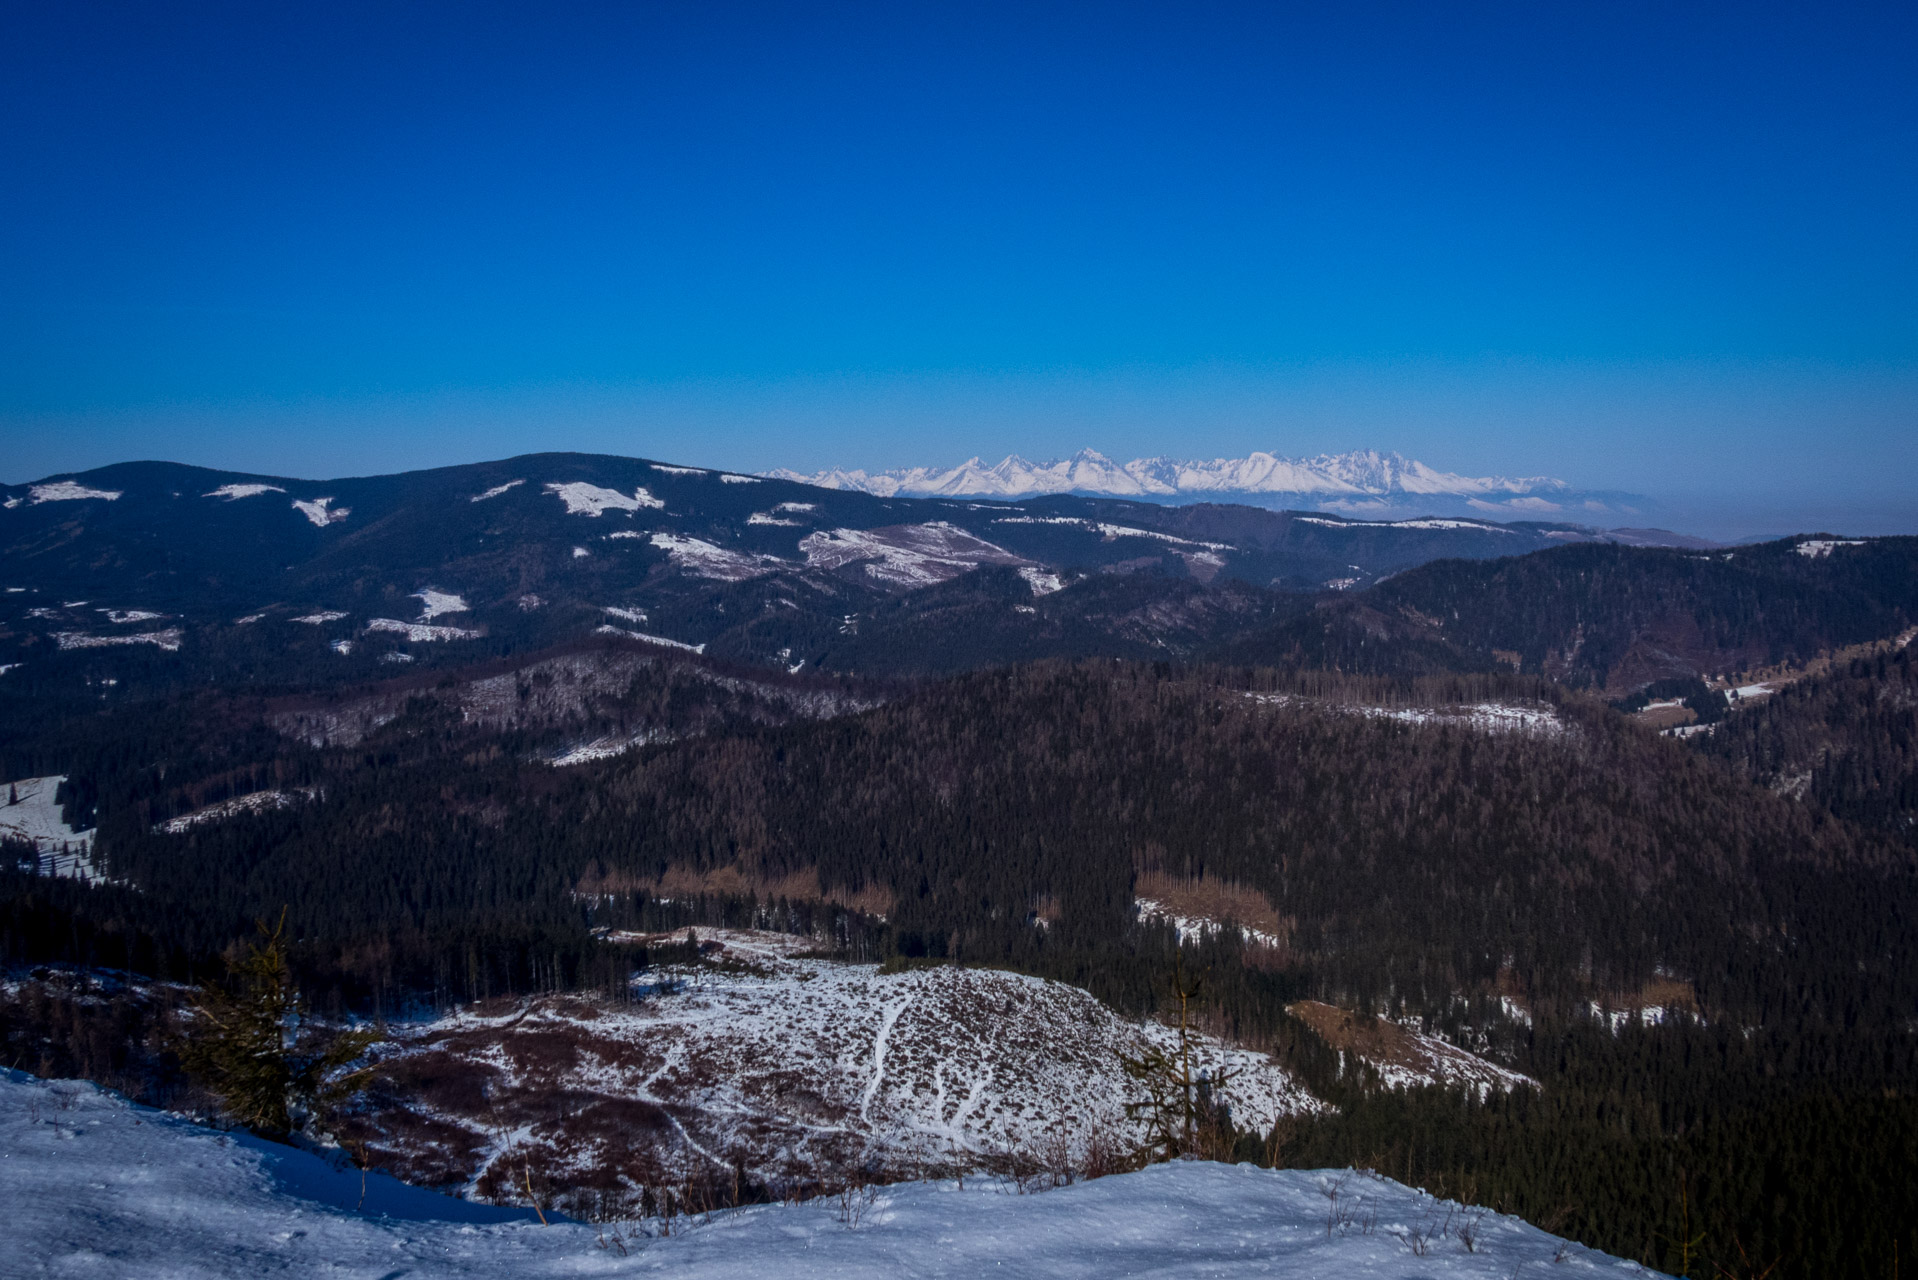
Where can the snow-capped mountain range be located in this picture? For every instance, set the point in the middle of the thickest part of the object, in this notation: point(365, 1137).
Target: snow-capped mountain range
point(1360, 479)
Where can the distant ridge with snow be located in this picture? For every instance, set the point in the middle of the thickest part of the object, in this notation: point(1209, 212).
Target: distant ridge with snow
point(1361, 481)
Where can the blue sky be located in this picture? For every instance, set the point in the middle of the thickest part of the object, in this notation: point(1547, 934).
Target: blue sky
point(1661, 248)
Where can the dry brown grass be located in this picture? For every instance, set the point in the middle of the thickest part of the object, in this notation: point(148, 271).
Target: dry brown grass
point(1372, 1038)
point(1220, 900)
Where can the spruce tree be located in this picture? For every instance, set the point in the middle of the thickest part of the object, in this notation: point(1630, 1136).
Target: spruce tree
point(251, 1045)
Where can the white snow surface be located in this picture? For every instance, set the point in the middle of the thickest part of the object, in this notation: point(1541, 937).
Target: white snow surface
point(1197, 928)
point(1484, 717)
point(420, 632)
point(317, 510)
point(99, 1187)
point(36, 819)
point(321, 618)
point(130, 615)
point(168, 639)
point(610, 630)
point(707, 560)
point(738, 479)
point(68, 491)
point(1042, 582)
point(238, 806)
point(905, 555)
point(1110, 531)
point(584, 499)
point(678, 471)
point(1819, 548)
point(762, 517)
point(605, 748)
point(232, 492)
point(496, 491)
point(437, 602)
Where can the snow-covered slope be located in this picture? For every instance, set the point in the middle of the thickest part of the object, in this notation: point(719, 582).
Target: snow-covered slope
point(97, 1187)
point(30, 814)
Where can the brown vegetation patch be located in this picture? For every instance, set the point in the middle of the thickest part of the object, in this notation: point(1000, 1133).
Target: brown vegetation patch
point(1212, 899)
point(1371, 1038)
point(733, 881)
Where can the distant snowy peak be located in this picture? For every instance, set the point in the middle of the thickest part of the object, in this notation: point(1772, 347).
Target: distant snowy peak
point(1362, 473)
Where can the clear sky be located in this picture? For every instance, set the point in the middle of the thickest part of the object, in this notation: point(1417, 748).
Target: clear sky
point(1666, 248)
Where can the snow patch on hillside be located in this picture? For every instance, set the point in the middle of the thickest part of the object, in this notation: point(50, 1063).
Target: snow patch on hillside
point(584, 499)
point(30, 812)
point(238, 806)
point(906, 555)
point(233, 492)
point(317, 511)
point(68, 491)
point(1196, 929)
point(422, 633)
point(1819, 548)
point(1109, 531)
point(643, 638)
point(168, 639)
point(679, 471)
point(1483, 717)
point(130, 615)
point(606, 748)
point(706, 560)
point(496, 491)
point(1042, 582)
point(438, 602)
point(321, 618)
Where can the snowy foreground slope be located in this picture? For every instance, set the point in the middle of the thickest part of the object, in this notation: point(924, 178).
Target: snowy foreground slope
point(95, 1186)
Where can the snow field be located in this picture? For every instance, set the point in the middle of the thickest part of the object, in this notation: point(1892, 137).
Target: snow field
point(68, 491)
point(316, 510)
point(30, 812)
point(420, 632)
point(907, 555)
point(98, 1187)
point(584, 499)
point(238, 806)
point(168, 639)
point(433, 603)
point(1483, 717)
point(708, 560)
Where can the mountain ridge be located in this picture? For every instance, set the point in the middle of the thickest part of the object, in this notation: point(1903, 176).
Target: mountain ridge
point(1356, 480)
